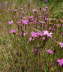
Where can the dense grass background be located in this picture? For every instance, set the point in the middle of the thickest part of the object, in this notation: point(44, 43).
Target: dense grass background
point(55, 6)
point(16, 52)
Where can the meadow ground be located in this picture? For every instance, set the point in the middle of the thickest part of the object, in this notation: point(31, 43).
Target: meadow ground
point(31, 36)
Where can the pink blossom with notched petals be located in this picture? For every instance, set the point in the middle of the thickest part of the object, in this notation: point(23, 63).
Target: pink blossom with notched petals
point(49, 51)
point(30, 39)
point(46, 33)
point(61, 44)
point(10, 22)
point(34, 34)
point(60, 62)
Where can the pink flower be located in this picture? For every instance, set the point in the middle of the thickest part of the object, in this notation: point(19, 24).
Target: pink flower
point(30, 39)
point(46, 33)
point(39, 33)
point(34, 34)
point(49, 51)
point(10, 22)
point(12, 31)
point(25, 21)
point(60, 62)
point(61, 44)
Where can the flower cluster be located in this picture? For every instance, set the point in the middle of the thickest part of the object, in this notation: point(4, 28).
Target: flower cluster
point(43, 33)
